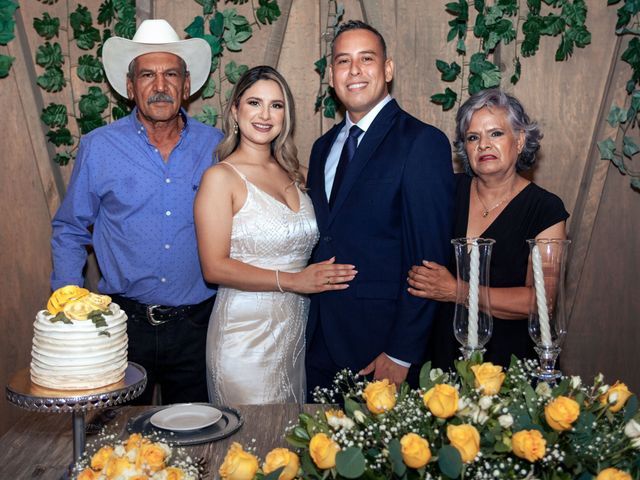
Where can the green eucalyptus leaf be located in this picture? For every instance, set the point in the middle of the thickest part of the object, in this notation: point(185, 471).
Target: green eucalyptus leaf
point(60, 136)
point(275, 475)
point(350, 462)
point(268, 12)
point(47, 27)
point(93, 103)
point(90, 69)
point(631, 408)
point(52, 80)
point(395, 455)
point(54, 115)
point(195, 28)
point(208, 116)
point(49, 55)
point(86, 123)
point(607, 148)
point(450, 461)
point(5, 65)
point(425, 374)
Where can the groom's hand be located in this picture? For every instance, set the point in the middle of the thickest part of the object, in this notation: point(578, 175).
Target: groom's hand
point(383, 367)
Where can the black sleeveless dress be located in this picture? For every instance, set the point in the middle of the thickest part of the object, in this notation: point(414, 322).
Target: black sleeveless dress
point(530, 212)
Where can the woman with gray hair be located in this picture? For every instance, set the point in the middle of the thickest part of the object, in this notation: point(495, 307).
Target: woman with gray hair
point(496, 141)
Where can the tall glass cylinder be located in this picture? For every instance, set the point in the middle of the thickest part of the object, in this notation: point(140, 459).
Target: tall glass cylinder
point(472, 322)
point(547, 321)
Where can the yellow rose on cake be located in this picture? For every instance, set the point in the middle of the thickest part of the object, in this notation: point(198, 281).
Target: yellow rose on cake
point(64, 295)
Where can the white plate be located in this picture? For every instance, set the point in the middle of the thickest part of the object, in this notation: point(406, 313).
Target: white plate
point(185, 416)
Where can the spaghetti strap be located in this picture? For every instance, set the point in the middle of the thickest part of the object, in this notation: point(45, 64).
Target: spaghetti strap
point(235, 169)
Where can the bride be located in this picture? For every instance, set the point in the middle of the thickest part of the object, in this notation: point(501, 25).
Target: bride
point(256, 228)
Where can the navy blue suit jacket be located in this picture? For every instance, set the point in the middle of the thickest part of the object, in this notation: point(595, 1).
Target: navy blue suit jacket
point(394, 209)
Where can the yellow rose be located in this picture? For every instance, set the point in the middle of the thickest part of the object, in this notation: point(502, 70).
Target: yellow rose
point(282, 457)
point(333, 413)
point(78, 310)
point(323, 451)
point(489, 377)
point(98, 302)
point(238, 464)
point(134, 441)
point(88, 474)
point(173, 473)
point(151, 457)
point(441, 400)
point(561, 413)
point(466, 439)
point(101, 457)
point(415, 450)
point(62, 296)
point(117, 466)
point(616, 397)
point(380, 396)
point(529, 444)
point(613, 474)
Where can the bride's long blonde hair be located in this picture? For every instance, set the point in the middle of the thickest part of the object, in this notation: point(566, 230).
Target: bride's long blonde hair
point(283, 147)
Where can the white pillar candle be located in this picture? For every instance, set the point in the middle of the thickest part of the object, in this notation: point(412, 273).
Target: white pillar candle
point(474, 291)
point(541, 297)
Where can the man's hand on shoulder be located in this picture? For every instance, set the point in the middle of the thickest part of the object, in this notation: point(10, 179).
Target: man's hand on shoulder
point(383, 367)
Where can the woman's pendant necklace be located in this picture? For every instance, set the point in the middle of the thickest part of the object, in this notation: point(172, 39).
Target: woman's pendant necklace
point(486, 210)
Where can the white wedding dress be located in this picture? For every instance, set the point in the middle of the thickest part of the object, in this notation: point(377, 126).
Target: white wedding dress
point(255, 342)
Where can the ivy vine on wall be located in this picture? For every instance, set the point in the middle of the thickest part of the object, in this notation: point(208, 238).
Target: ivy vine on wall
point(325, 99)
point(7, 25)
point(621, 148)
point(223, 29)
point(497, 25)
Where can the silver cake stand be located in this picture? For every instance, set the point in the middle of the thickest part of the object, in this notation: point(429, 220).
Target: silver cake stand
point(25, 394)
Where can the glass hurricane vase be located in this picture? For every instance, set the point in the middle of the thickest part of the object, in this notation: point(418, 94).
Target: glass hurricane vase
point(547, 322)
point(472, 321)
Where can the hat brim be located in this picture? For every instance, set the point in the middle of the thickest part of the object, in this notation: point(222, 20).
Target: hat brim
point(118, 53)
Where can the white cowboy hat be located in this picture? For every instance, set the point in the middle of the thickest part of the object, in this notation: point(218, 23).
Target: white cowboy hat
point(155, 36)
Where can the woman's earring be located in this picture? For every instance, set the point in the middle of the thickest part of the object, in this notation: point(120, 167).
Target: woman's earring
point(235, 128)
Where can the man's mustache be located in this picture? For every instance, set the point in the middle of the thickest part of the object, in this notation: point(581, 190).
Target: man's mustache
point(160, 97)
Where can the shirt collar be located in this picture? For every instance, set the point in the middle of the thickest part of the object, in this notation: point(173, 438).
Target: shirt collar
point(140, 127)
point(366, 121)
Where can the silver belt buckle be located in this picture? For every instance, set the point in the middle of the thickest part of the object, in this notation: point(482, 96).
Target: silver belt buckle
point(150, 316)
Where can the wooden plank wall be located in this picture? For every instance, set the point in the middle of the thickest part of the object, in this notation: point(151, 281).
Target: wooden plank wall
point(569, 99)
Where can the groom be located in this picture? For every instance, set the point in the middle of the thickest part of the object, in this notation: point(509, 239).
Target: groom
point(382, 186)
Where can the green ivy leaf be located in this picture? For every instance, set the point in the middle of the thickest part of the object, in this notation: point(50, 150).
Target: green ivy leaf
point(62, 158)
point(86, 38)
point(49, 55)
point(120, 110)
point(216, 25)
point(232, 19)
point(233, 38)
point(47, 27)
point(449, 71)
point(215, 43)
point(86, 123)
point(607, 149)
point(80, 19)
point(268, 12)
point(195, 28)
point(630, 148)
point(90, 69)
point(318, 103)
point(7, 26)
point(461, 48)
point(330, 106)
point(517, 70)
point(93, 103)
point(321, 66)
point(5, 65)
point(491, 78)
point(54, 115)
point(534, 6)
point(616, 116)
point(493, 15)
point(209, 88)
point(450, 461)
point(233, 72)
point(475, 83)
point(126, 27)
point(209, 115)
point(350, 462)
point(106, 12)
point(565, 49)
point(52, 80)
point(581, 37)
point(552, 25)
point(447, 99)
point(61, 136)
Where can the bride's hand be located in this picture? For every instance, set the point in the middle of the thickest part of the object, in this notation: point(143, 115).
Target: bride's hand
point(319, 277)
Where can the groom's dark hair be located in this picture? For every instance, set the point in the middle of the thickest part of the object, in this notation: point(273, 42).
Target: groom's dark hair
point(358, 25)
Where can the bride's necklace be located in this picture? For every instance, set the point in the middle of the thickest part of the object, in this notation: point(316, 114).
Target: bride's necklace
point(486, 210)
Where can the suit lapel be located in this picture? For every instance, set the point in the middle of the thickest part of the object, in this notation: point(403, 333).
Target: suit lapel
point(369, 144)
point(317, 184)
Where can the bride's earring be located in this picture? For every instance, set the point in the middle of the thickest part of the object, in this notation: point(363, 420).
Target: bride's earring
point(235, 128)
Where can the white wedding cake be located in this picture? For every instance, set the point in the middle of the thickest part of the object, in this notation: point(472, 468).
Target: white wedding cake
point(79, 342)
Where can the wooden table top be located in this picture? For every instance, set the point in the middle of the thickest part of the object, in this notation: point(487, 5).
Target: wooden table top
point(41, 446)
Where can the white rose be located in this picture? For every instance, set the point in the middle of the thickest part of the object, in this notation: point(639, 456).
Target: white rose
point(632, 429)
point(347, 423)
point(482, 417)
point(485, 403)
point(505, 421)
point(543, 389)
point(435, 373)
point(463, 402)
point(576, 381)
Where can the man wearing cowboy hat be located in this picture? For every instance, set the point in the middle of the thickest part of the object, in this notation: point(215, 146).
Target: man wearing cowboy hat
point(131, 197)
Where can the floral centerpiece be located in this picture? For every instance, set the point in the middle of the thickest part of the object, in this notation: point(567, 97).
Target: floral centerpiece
point(137, 458)
point(478, 422)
